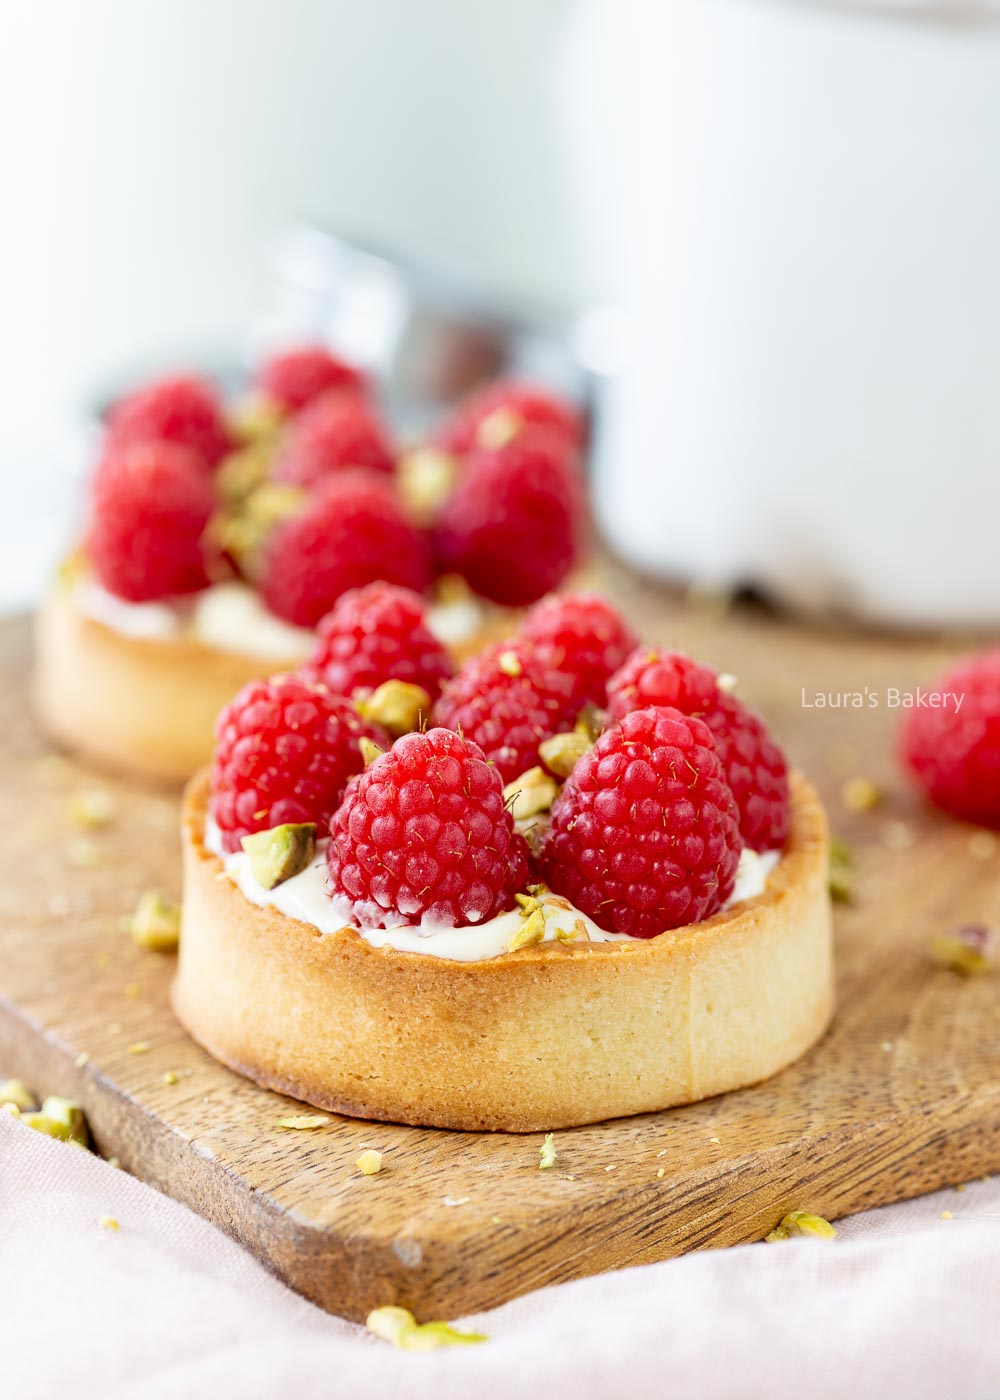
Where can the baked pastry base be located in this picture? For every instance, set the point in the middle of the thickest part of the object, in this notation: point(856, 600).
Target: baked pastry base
point(547, 1037)
point(139, 706)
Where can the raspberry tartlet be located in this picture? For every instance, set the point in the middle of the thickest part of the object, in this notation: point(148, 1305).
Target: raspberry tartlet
point(220, 536)
point(379, 920)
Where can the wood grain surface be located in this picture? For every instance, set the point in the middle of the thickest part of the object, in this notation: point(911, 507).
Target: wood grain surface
point(901, 1097)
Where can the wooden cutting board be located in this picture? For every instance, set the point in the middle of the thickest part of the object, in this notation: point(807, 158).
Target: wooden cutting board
point(901, 1097)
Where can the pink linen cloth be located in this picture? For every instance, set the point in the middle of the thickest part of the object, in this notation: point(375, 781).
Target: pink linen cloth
point(903, 1303)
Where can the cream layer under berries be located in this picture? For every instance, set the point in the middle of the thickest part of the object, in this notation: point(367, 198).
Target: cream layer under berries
point(303, 494)
point(567, 785)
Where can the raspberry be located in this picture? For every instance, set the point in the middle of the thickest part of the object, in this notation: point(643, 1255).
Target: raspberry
point(149, 508)
point(522, 403)
point(352, 532)
point(377, 634)
point(583, 634)
point(754, 765)
point(953, 750)
point(183, 410)
point(513, 525)
point(285, 749)
point(643, 835)
point(507, 700)
point(424, 834)
point(295, 377)
point(333, 432)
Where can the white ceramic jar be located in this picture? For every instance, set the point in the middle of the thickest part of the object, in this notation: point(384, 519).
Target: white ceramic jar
point(797, 205)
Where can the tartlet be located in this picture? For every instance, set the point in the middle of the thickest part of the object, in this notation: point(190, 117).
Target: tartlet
point(548, 1036)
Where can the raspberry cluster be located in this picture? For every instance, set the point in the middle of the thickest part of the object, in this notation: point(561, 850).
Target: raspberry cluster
point(378, 634)
point(951, 743)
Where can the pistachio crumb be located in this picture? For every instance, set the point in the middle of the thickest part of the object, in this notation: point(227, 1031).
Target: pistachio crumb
point(91, 808)
point(170, 1077)
point(156, 923)
point(886, 1047)
point(499, 428)
point(662, 1152)
point(455, 1200)
point(10, 1107)
point(369, 1163)
point(947, 1215)
point(561, 753)
point(139, 1047)
point(660, 1171)
point(82, 1059)
point(801, 1222)
point(532, 931)
point(397, 706)
point(860, 794)
point(301, 1121)
point(280, 853)
point(425, 477)
point(15, 1091)
point(726, 682)
point(612, 1166)
point(528, 903)
point(960, 1186)
point(533, 792)
point(715, 1139)
point(108, 1222)
point(547, 1153)
point(509, 663)
point(370, 751)
point(114, 1162)
point(969, 950)
point(399, 1327)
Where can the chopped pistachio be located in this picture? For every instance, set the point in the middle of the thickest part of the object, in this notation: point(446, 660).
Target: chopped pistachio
point(255, 417)
point(561, 752)
point(452, 588)
point(43, 1123)
point(397, 706)
point(660, 1172)
point(547, 1153)
point(69, 1113)
point(108, 1222)
point(11, 1108)
point(841, 880)
point(590, 722)
point(726, 682)
point(947, 1215)
point(455, 1201)
point(576, 933)
point(241, 472)
point(399, 1327)
point(139, 1047)
point(533, 792)
point(425, 477)
point(969, 950)
point(370, 1162)
point(170, 1077)
point(499, 428)
point(114, 1162)
point(156, 923)
point(17, 1092)
point(509, 663)
point(860, 794)
point(300, 1121)
point(280, 853)
point(801, 1222)
point(91, 807)
point(532, 930)
point(370, 751)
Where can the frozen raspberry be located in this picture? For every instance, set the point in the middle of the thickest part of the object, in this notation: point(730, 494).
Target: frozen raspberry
point(294, 378)
point(513, 525)
point(351, 533)
point(583, 634)
point(507, 700)
point(285, 749)
point(149, 508)
point(754, 765)
point(504, 407)
point(952, 745)
point(643, 835)
point(335, 432)
point(183, 410)
point(424, 834)
point(377, 634)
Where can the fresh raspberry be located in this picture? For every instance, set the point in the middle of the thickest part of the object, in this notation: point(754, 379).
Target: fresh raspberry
point(334, 432)
point(513, 525)
point(507, 700)
point(352, 532)
point(583, 634)
point(521, 403)
point(952, 743)
point(643, 835)
point(294, 378)
point(377, 634)
point(184, 410)
point(284, 751)
point(754, 765)
point(149, 507)
point(424, 834)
